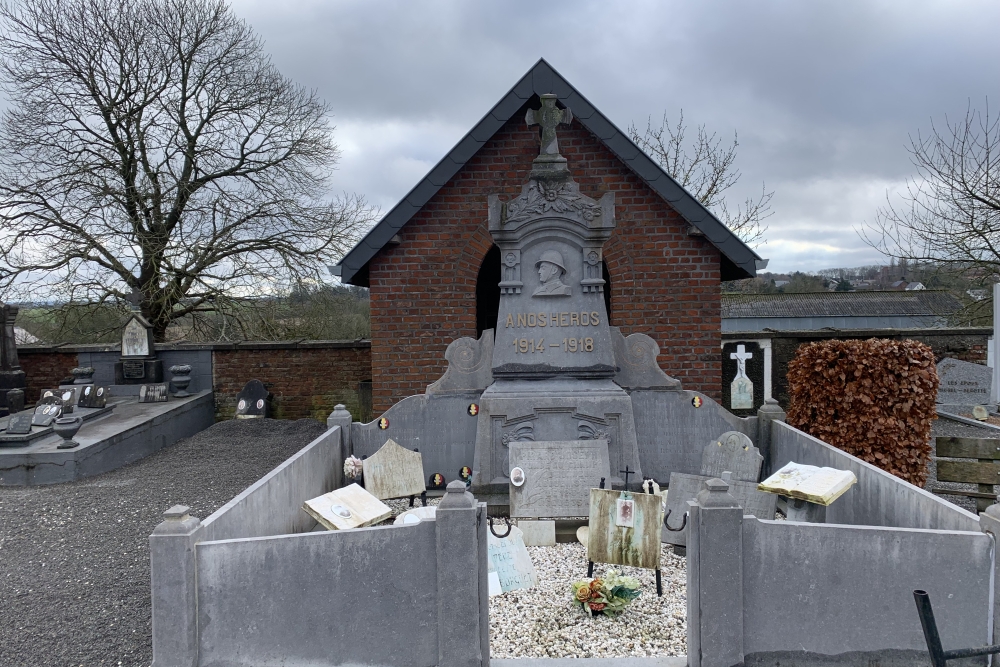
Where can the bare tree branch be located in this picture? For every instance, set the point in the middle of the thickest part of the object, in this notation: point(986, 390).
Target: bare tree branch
point(706, 168)
point(151, 147)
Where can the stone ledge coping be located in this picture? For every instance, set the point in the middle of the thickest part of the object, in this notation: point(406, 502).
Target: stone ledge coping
point(69, 348)
point(868, 333)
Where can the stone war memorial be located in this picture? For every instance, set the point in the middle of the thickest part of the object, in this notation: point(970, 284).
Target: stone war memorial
point(571, 366)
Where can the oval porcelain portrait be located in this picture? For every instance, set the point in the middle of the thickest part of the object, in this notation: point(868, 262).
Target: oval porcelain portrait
point(517, 477)
point(342, 511)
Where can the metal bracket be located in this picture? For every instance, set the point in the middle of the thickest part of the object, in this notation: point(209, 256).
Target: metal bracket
point(666, 522)
point(500, 537)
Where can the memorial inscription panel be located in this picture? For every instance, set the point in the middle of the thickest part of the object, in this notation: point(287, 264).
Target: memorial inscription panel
point(558, 477)
point(135, 340)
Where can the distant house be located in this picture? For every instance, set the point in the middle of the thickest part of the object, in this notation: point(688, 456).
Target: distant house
point(908, 309)
point(780, 283)
point(913, 287)
point(898, 285)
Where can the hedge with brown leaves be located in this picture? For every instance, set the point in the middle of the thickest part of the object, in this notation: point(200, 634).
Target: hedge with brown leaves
point(873, 399)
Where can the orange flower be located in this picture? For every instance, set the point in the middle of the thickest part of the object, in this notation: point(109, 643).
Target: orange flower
point(583, 594)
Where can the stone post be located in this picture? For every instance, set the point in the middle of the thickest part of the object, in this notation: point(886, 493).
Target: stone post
point(995, 389)
point(463, 632)
point(342, 418)
point(766, 414)
point(174, 593)
point(989, 523)
point(715, 578)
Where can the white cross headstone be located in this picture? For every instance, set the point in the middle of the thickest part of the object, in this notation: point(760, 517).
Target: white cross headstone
point(741, 389)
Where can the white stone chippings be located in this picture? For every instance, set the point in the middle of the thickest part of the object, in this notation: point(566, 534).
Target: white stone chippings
point(543, 623)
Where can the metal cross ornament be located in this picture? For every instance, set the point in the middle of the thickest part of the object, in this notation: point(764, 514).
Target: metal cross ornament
point(627, 472)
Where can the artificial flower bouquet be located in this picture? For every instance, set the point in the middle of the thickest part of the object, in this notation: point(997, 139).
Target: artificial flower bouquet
point(608, 595)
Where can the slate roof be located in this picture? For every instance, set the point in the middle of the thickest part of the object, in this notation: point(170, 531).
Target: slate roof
point(840, 304)
point(738, 260)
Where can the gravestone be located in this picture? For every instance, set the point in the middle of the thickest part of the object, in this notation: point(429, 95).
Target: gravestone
point(153, 393)
point(19, 424)
point(45, 414)
point(93, 396)
point(554, 360)
point(138, 363)
point(733, 452)
point(963, 384)
point(251, 402)
point(733, 456)
point(511, 561)
point(349, 507)
point(625, 530)
point(69, 397)
point(394, 472)
point(742, 377)
point(557, 477)
point(12, 377)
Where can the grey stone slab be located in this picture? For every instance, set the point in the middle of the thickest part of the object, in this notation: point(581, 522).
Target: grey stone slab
point(963, 383)
point(878, 498)
point(558, 477)
point(440, 426)
point(553, 410)
point(830, 589)
point(635, 358)
point(394, 472)
point(735, 453)
point(684, 488)
point(672, 432)
point(129, 433)
point(469, 366)
point(324, 593)
point(659, 661)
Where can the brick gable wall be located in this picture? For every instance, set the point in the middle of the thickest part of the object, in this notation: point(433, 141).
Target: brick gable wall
point(665, 283)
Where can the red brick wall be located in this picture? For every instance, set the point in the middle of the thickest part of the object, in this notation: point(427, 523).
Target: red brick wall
point(305, 382)
point(44, 371)
point(423, 291)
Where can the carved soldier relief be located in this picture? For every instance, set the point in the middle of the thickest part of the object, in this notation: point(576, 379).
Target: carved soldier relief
point(551, 268)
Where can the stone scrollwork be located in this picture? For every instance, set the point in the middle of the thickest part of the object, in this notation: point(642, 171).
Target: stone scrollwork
point(635, 357)
point(587, 431)
point(522, 433)
point(469, 365)
point(541, 198)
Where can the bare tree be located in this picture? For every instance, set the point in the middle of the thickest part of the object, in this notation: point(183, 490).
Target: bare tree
point(153, 153)
point(707, 169)
point(948, 218)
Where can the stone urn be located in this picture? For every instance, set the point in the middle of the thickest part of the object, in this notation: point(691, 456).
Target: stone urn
point(66, 428)
point(181, 378)
point(83, 375)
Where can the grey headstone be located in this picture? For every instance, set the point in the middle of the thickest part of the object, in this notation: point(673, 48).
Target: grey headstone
point(635, 358)
point(153, 393)
point(469, 366)
point(45, 414)
point(963, 384)
point(19, 424)
point(684, 487)
point(558, 477)
point(733, 452)
point(137, 338)
point(252, 400)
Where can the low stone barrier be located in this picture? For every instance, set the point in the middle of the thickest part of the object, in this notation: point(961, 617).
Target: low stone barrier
point(242, 588)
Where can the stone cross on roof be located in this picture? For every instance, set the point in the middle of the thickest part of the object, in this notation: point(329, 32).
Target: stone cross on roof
point(548, 117)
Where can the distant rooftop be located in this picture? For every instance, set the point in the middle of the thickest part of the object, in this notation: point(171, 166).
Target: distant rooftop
point(842, 310)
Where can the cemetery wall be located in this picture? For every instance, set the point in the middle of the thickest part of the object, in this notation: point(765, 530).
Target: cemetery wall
point(306, 378)
point(965, 343)
point(664, 282)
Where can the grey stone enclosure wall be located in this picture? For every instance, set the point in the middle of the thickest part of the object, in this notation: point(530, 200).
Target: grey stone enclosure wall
point(787, 593)
point(249, 587)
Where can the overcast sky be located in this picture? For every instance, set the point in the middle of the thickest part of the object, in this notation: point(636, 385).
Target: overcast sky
point(823, 94)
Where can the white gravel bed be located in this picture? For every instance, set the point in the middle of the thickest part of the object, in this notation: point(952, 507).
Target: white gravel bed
point(542, 622)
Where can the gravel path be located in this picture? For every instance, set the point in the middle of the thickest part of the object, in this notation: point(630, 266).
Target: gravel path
point(541, 622)
point(74, 589)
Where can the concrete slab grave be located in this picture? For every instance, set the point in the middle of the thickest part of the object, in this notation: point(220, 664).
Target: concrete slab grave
point(394, 472)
